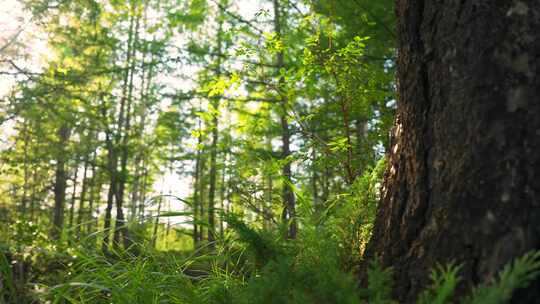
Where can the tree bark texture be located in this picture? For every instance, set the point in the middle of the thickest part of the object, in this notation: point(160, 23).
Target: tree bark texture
point(464, 164)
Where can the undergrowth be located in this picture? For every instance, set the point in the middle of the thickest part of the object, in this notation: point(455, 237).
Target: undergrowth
point(306, 271)
point(247, 265)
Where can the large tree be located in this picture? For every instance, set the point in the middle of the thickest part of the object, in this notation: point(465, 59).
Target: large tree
point(463, 170)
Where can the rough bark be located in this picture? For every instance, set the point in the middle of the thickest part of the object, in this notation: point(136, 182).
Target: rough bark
point(462, 180)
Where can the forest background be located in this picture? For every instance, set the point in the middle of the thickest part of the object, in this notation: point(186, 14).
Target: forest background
point(193, 151)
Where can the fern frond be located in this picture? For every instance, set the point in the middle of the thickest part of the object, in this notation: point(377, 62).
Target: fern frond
point(379, 289)
point(515, 275)
point(444, 281)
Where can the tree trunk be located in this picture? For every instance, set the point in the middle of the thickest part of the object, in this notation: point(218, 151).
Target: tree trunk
point(213, 179)
point(156, 221)
point(269, 199)
point(26, 176)
point(314, 181)
point(197, 215)
point(144, 188)
point(289, 201)
point(364, 152)
point(121, 229)
point(214, 144)
point(60, 183)
point(73, 195)
point(202, 193)
point(93, 190)
point(145, 86)
point(112, 170)
point(222, 197)
point(80, 213)
point(33, 195)
point(462, 179)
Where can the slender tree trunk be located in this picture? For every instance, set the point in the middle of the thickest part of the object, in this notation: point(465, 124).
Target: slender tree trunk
point(345, 104)
point(269, 199)
point(317, 205)
point(196, 191)
point(289, 200)
point(81, 199)
point(213, 179)
point(156, 221)
point(135, 190)
point(146, 79)
point(60, 183)
point(26, 176)
point(121, 229)
point(363, 150)
point(73, 199)
point(463, 170)
point(112, 171)
point(111, 168)
point(143, 191)
point(222, 199)
point(93, 207)
point(33, 195)
point(213, 148)
point(326, 176)
point(229, 194)
point(202, 192)
point(92, 189)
